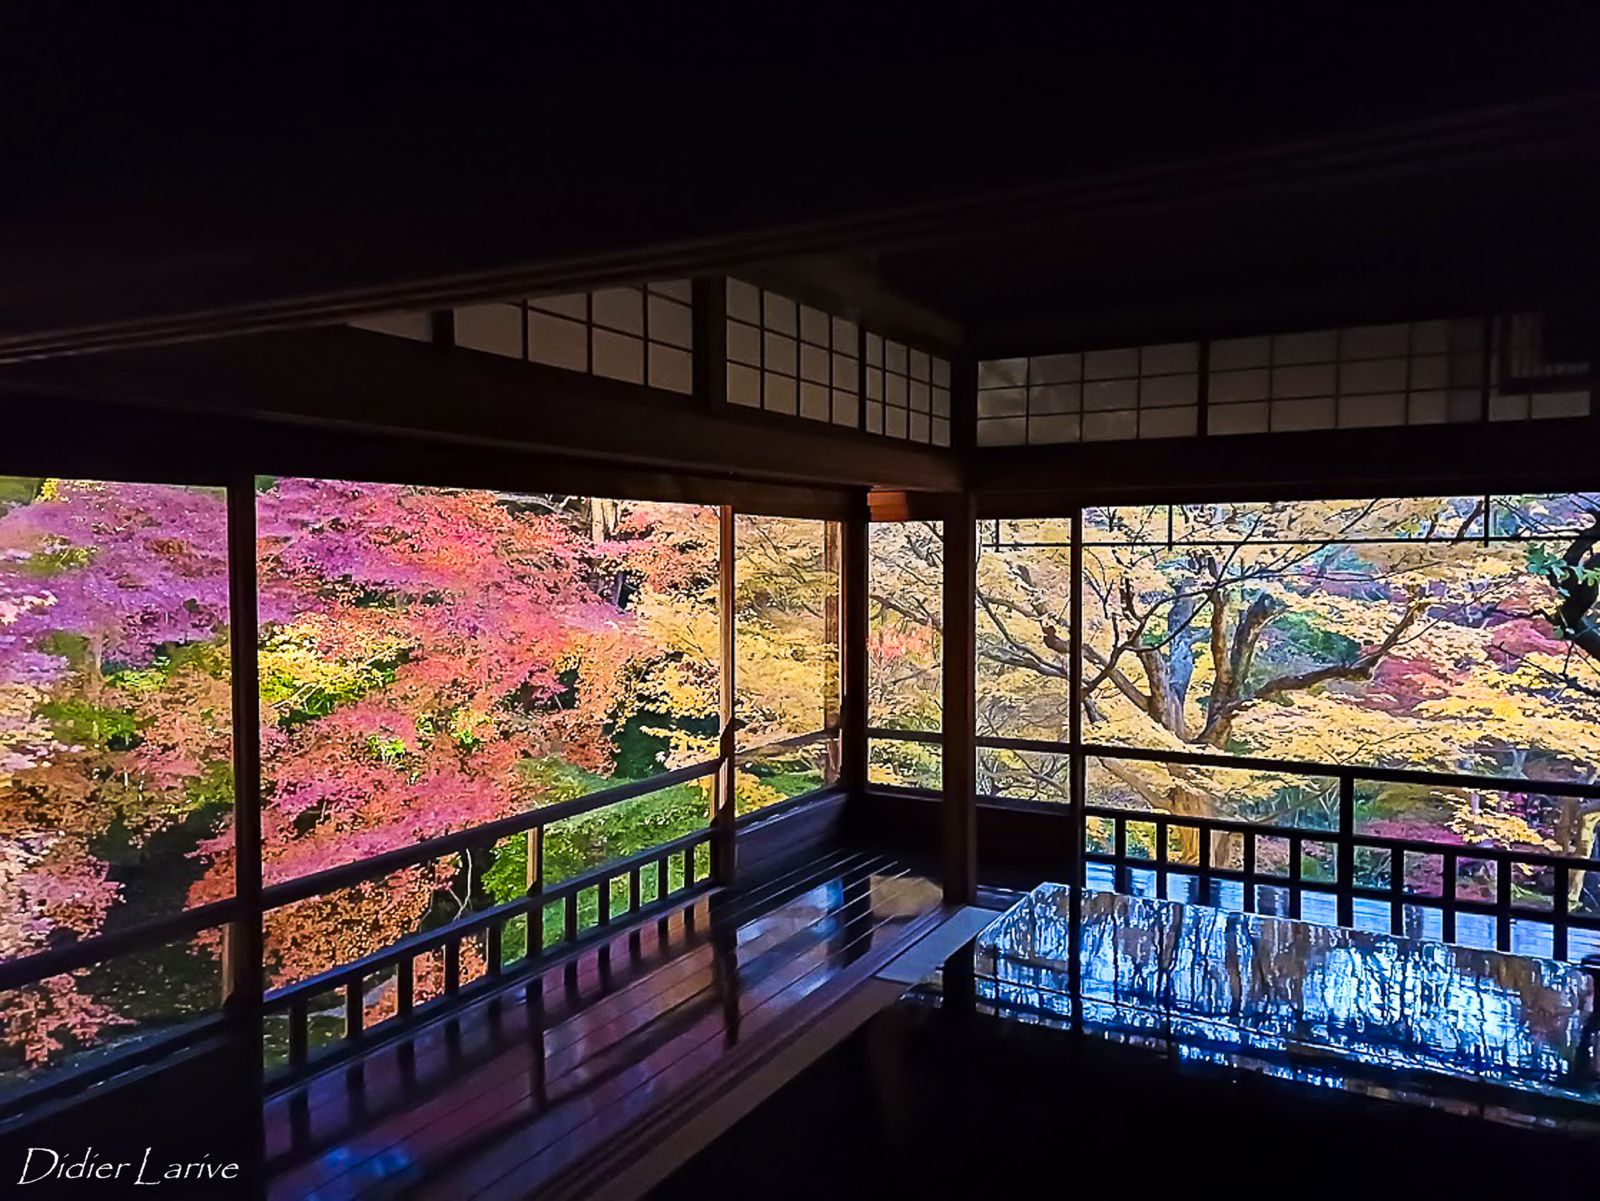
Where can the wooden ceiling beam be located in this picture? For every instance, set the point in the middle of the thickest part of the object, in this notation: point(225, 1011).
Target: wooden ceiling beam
point(355, 383)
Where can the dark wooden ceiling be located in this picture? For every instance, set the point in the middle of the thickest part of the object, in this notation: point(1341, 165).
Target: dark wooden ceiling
point(989, 183)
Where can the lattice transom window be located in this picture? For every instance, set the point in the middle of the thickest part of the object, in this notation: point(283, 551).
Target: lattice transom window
point(790, 358)
point(1401, 373)
point(1397, 374)
point(1090, 396)
point(908, 392)
point(640, 335)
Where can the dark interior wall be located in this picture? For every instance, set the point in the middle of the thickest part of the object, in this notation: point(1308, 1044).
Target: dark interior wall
point(209, 1088)
point(1017, 840)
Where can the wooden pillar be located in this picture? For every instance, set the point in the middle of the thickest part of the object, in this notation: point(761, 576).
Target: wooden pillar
point(963, 406)
point(960, 817)
point(243, 975)
point(710, 335)
point(853, 715)
point(723, 844)
point(243, 969)
point(1077, 764)
point(1077, 767)
point(535, 865)
point(833, 639)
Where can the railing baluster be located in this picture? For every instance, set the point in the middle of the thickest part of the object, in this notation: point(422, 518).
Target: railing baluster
point(1397, 890)
point(354, 1008)
point(1346, 882)
point(452, 967)
point(1560, 905)
point(569, 923)
point(1250, 871)
point(1294, 873)
point(635, 894)
point(603, 901)
point(1119, 827)
point(1161, 858)
point(1447, 895)
point(404, 982)
point(1502, 903)
point(299, 1035)
point(663, 877)
point(495, 938)
point(535, 855)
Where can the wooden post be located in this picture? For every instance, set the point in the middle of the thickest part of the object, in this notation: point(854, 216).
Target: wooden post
point(535, 854)
point(960, 818)
point(853, 714)
point(1345, 884)
point(242, 958)
point(832, 636)
point(723, 849)
point(1077, 772)
point(963, 405)
point(710, 334)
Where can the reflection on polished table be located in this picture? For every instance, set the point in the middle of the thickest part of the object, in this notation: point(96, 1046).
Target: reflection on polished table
point(1241, 1054)
point(1320, 1002)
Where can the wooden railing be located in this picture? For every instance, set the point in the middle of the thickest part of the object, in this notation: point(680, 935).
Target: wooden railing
point(662, 875)
point(1104, 838)
point(559, 915)
point(679, 869)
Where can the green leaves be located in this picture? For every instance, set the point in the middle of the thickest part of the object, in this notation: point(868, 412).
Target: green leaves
point(1563, 575)
point(82, 723)
point(1314, 641)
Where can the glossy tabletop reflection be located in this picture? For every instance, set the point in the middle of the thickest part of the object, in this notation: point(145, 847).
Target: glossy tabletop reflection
point(1316, 998)
point(515, 1094)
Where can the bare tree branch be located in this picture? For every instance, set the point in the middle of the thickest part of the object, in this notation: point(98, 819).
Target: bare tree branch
point(1220, 718)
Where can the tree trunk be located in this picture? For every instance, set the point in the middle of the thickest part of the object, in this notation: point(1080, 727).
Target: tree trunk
point(1583, 888)
point(1567, 826)
point(1191, 802)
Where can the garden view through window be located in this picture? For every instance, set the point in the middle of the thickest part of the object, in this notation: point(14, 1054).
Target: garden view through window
point(430, 660)
point(1449, 635)
point(786, 645)
point(435, 659)
point(905, 606)
point(116, 787)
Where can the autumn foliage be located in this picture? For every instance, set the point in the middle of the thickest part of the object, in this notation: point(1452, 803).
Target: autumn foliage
point(1437, 634)
point(1451, 635)
point(433, 659)
point(430, 659)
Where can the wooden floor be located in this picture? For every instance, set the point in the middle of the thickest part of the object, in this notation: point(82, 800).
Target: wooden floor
point(547, 1085)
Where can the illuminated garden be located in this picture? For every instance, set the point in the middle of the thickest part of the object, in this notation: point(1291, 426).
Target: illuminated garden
point(1449, 636)
point(429, 659)
point(432, 660)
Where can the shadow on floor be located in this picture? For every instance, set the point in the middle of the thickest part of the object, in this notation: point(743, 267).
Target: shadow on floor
point(943, 1103)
